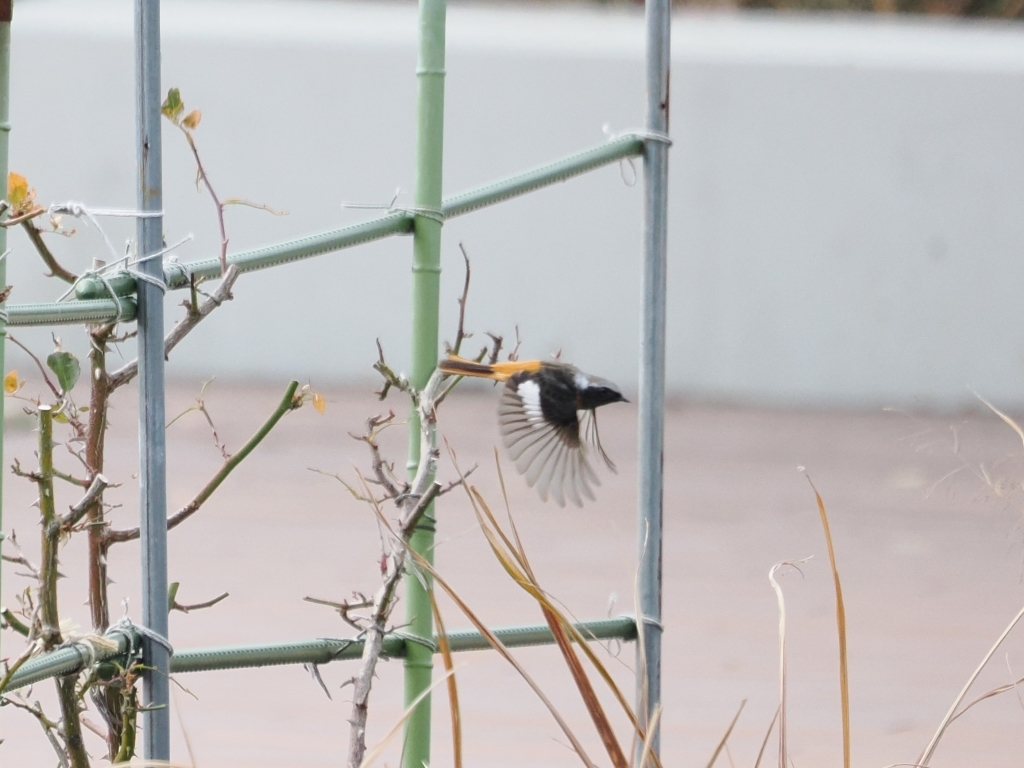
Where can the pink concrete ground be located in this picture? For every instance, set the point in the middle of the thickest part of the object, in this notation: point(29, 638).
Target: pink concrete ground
point(925, 513)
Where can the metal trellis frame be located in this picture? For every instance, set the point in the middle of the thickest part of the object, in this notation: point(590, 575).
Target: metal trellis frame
point(140, 298)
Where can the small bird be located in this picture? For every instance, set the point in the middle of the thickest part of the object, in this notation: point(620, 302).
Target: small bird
point(547, 421)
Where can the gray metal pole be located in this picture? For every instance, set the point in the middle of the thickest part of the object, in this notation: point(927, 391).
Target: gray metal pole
point(652, 361)
point(152, 446)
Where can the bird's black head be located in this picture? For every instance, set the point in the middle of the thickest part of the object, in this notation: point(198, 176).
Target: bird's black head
point(595, 392)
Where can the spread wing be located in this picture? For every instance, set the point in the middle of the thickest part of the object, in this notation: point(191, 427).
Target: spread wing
point(549, 454)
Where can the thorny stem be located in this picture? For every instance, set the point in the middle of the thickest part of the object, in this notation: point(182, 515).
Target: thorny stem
point(288, 403)
point(195, 315)
point(71, 722)
point(416, 502)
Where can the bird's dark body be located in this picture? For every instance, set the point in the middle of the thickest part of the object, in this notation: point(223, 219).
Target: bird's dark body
point(560, 398)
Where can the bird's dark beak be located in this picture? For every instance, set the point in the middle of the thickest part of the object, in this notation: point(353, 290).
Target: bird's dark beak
point(624, 400)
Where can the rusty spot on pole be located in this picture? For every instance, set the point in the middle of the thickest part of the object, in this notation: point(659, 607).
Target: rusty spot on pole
point(6, 10)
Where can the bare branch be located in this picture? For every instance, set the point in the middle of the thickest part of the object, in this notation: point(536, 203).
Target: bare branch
point(460, 333)
point(77, 512)
point(391, 379)
point(176, 606)
point(381, 470)
point(125, 374)
point(201, 175)
point(56, 270)
point(39, 365)
point(288, 403)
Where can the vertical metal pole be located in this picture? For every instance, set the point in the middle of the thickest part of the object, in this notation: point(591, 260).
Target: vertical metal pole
point(426, 268)
point(652, 361)
point(6, 9)
point(152, 446)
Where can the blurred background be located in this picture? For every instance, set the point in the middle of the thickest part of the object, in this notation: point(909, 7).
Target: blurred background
point(845, 222)
point(845, 271)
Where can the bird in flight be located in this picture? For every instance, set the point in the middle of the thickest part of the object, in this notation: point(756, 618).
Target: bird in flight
point(548, 422)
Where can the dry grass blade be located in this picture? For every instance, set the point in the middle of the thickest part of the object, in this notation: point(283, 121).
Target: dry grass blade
point(1010, 422)
point(926, 755)
point(590, 700)
point(725, 736)
point(647, 751)
point(503, 651)
point(374, 753)
point(562, 629)
point(844, 681)
point(453, 691)
point(527, 580)
point(988, 695)
point(768, 735)
point(783, 751)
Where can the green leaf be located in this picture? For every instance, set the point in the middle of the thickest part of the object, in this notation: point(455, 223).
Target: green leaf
point(60, 417)
point(172, 593)
point(173, 106)
point(67, 368)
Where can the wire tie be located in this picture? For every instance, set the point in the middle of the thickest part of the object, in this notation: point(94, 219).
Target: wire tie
point(651, 622)
point(126, 626)
point(434, 214)
point(425, 642)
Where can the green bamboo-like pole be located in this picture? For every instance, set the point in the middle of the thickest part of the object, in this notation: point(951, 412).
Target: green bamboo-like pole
point(6, 8)
point(426, 285)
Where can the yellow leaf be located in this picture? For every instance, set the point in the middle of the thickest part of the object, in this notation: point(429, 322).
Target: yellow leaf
point(191, 120)
point(11, 383)
point(319, 402)
point(19, 194)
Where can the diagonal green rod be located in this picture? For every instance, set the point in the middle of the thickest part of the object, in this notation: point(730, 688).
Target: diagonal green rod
point(76, 657)
point(399, 222)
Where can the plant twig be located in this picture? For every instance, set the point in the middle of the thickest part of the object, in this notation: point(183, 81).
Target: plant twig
point(288, 403)
point(201, 176)
point(460, 333)
point(174, 605)
point(415, 504)
point(39, 365)
point(128, 372)
point(56, 270)
point(51, 636)
point(77, 512)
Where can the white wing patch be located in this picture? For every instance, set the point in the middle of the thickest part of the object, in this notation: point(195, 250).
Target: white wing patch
point(529, 394)
point(551, 456)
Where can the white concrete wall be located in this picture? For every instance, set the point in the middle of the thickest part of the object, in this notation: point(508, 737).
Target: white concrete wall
point(846, 202)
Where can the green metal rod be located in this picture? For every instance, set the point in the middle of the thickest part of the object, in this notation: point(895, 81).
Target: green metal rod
point(64, 661)
point(426, 290)
point(398, 223)
point(627, 145)
point(65, 312)
point(321, 651)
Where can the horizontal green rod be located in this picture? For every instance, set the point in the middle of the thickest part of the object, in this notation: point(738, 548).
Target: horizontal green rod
point(398, 222)
point(322, 651)
point(65, 312)
point(63, 661)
